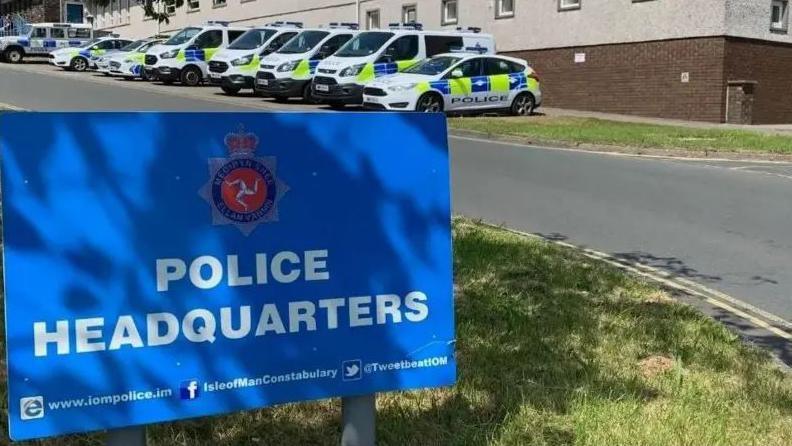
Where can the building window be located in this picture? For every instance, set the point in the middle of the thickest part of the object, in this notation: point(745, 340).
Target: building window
point(504, 9)
point(170, 7)
point(409, 13)
point(373, 19)
point(193, 5)
point(449, 12)
point(566, 5)
point(218, 3)
point(779, 16)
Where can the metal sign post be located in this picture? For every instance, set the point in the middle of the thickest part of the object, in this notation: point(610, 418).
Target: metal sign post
point(130, 436)
point(358, 415)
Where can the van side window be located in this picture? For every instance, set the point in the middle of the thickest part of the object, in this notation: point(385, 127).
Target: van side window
point(442, 44)
point(332, 45)
point(494, 67)
point(403, 48)
point(209, 39)
point(57, 33)
point(233, 35)
point(39, 33)
point(79, 33)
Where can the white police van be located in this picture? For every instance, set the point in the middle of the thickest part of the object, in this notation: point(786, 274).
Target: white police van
point(287, 73)
point(458, 82)
point(39, 39)
point(235, 67)
point(84, 57)
point(184, 57)
point(129, 64)
point(370, 55)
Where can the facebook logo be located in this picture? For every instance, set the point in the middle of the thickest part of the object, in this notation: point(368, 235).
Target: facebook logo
point(189, 390)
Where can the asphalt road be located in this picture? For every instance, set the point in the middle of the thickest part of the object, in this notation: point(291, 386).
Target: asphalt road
point(727, 225)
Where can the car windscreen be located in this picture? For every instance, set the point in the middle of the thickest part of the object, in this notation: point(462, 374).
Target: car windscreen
point(183, 36)
point(433, 66)
point(133, 46)
point(303, 42)
point(252, 39)
point(364, 44)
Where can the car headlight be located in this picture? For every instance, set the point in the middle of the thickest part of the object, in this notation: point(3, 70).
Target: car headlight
point(402, 87)
point(354, 70)
point(288, 66)
point(242, 61)
point(169, 54)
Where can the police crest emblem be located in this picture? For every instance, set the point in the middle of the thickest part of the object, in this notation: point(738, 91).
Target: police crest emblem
point(243, 190)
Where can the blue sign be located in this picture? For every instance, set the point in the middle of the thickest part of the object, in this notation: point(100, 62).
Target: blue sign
point(168, 266)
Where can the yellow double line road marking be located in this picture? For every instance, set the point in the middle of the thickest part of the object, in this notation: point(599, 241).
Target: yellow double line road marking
point(759, 318)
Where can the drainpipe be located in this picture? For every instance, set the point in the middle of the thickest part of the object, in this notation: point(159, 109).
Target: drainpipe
point(357, 12)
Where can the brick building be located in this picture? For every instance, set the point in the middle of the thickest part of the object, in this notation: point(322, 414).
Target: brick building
point(711, 60)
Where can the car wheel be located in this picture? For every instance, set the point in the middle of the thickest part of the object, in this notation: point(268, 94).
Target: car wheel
point(13, 55)
point(79, 64)
point(230, 90)
point(429, 103)
point(191, 76)
point(523, 105)
point(308, 96)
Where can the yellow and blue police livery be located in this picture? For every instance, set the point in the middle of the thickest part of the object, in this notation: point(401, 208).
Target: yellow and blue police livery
point(458, 82)
point(84, 57)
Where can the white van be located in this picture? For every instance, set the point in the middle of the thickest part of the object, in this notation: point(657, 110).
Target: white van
point(184, 57)
point(235, 67)
point(287, 73)
point(39, 39)
point(340, 78)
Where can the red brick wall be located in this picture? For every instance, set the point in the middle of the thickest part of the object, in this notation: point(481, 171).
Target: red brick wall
point(770, 65)
point(637, 78)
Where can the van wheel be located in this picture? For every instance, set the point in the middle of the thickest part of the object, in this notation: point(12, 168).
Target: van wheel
point(523, 105)
point(429, 103)
point(233, 91)
point(79, 64)
point(191, 76)
point(308, 96)
point(13, 55)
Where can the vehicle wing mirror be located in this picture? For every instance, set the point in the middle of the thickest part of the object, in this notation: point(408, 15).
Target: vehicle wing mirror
point(457, 73)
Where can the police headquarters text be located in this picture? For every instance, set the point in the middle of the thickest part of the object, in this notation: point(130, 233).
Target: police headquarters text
point(95, 334)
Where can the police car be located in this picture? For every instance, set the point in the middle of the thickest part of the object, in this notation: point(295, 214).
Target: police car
point(372, 54)
point(235, 67)
point(458, 82)
point(102, 62)
point(184, 57)
point(287, 73)
point(38, 39)
point(129, 64)
point(79, 59)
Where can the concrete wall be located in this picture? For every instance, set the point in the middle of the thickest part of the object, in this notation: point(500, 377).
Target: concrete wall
point(751, 19)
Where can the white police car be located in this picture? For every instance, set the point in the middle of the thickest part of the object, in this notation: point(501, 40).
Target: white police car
point(80, 58)
point(458, 82)
point(129, 64)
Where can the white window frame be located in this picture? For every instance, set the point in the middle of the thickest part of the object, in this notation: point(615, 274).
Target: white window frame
point(370, 14)
point(569, 5)
point(219, 3)
point(170, 7)
point(500, 13)
point(193, 5)
point(406, 12)
point(444, 17)
point(783, 24)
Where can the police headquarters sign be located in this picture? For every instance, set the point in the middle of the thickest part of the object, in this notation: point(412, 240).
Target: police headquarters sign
point(166, 266)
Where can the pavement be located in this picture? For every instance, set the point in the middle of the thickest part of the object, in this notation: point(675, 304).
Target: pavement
point(776, 129)
point(722, 226)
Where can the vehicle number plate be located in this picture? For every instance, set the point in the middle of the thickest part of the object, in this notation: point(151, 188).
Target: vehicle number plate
point(320, 87)
point(373, 99)
point(214, 76)
point(263, 81)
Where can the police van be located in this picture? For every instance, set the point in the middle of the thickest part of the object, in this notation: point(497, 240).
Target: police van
point(129, 64)
point(372, 54)
point(458, 82)
point(39, 39)
point(235, 67)
point(84, 57)
point(185, 57)
point(287, 73)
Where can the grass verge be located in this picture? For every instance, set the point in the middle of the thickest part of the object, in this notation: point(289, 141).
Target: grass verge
point(553, 349)
point(590, 131)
